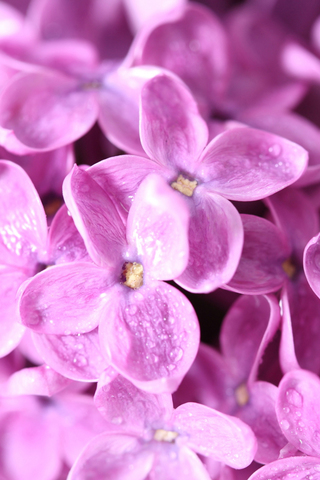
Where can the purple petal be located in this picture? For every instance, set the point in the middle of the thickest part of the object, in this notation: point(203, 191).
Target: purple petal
point(215, 241)
point(193, 45)
point(299, 468)
point(141, 12)
point(297, 217)
point(151, 335)
point(23, 226)
point(47, 110)
point(65, 299)
point(300, 63)
point(35, 381)
point(74, 356)
point(121, 176)
point(287, 354)
point(96, 217)
point(214, 434)
point(264, 251)
point(311, 264)
point(113, 456)
point(172, 131)
point(247, 164)
point(11, 331)
point(298, 410)
point(247, 329)
point(65, 243)
point(119, 106)
point(157, 225)
point(260, 415)
point(121, 403)
point(177, 462)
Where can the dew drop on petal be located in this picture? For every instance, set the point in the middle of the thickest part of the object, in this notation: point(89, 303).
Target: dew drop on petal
point(80, 360)
point(294, 398)
point(275, 150)
point(285, 424)
point(132, 309)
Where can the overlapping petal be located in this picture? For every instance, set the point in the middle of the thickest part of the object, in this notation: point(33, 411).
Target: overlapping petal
point(215, 242)
point(311, 264)
point(74, 356)
point(65, 299)
point(151, 335)
point(247, 164)
point(298, 410)
point(172, 131)
point(157, 226)
point(47, 110)
point(211, 433)
point(96, 218)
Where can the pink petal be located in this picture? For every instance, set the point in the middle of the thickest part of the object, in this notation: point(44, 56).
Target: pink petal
point(247, 329)
point(246, 164)
point(215, 241)
point(113, 456)
point(77, 357)
point(47, 110)
point(265, 249)
point(119, 106)
point(95, 216)
point(287, 354)
point(214, 434)
point(311, 264)
point(65, 243)
point(11, 331)
point(297, 217)
point(151, 335)
point(298, 410)
point(191, 43)
point(157, 226)
point(298, 468)
point(35, 381)
point(178, 462)
point(260, 415)
point(300, 63)
point(23, 226)
point(121, 176)
point(172, 131)
point(65, 299)
point(121, 403)
point(141, 12)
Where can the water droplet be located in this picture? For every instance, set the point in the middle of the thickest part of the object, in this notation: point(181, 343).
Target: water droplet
point(138, 296)
point(316, 436)
point(294, 398)
point(176, 354)
point(132, 309)
point(80, 360)
point(275, 150)
point(286, 409)
point(285, 424)
point(67, 332)
point(117, 420)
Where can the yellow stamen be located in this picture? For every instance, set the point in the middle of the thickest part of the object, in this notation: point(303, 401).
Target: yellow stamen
point(165, 435)
point(242, 395)
point(185, 186)
point(289, 268)
point(133, 273)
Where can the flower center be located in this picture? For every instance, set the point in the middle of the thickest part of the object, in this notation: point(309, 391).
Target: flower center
point(185, 186)
point(289, 268)
point(165, 435)
point(242, 395)
point(133, 275)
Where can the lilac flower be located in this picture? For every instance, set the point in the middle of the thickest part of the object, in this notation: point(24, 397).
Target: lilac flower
point(228, 381)
point(25, 246)
point(148, 329)
point(155, 440)
point(241, 164)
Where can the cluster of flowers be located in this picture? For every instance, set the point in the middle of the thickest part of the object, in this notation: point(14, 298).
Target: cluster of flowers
point(152, 152)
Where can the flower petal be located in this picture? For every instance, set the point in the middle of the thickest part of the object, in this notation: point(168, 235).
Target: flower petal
point(247, 164)
point(23, 226)
point(77, 357)
point(215, 242)
point(311, 264)
point(214, 434)
point(150, 335)
point(265, 249)
point(172, 131)
point(113, 456)
point(298, 410)
point(47, 110)
point(299, 468)
point(95, 216)
point(65, 299)
point(157, 225)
